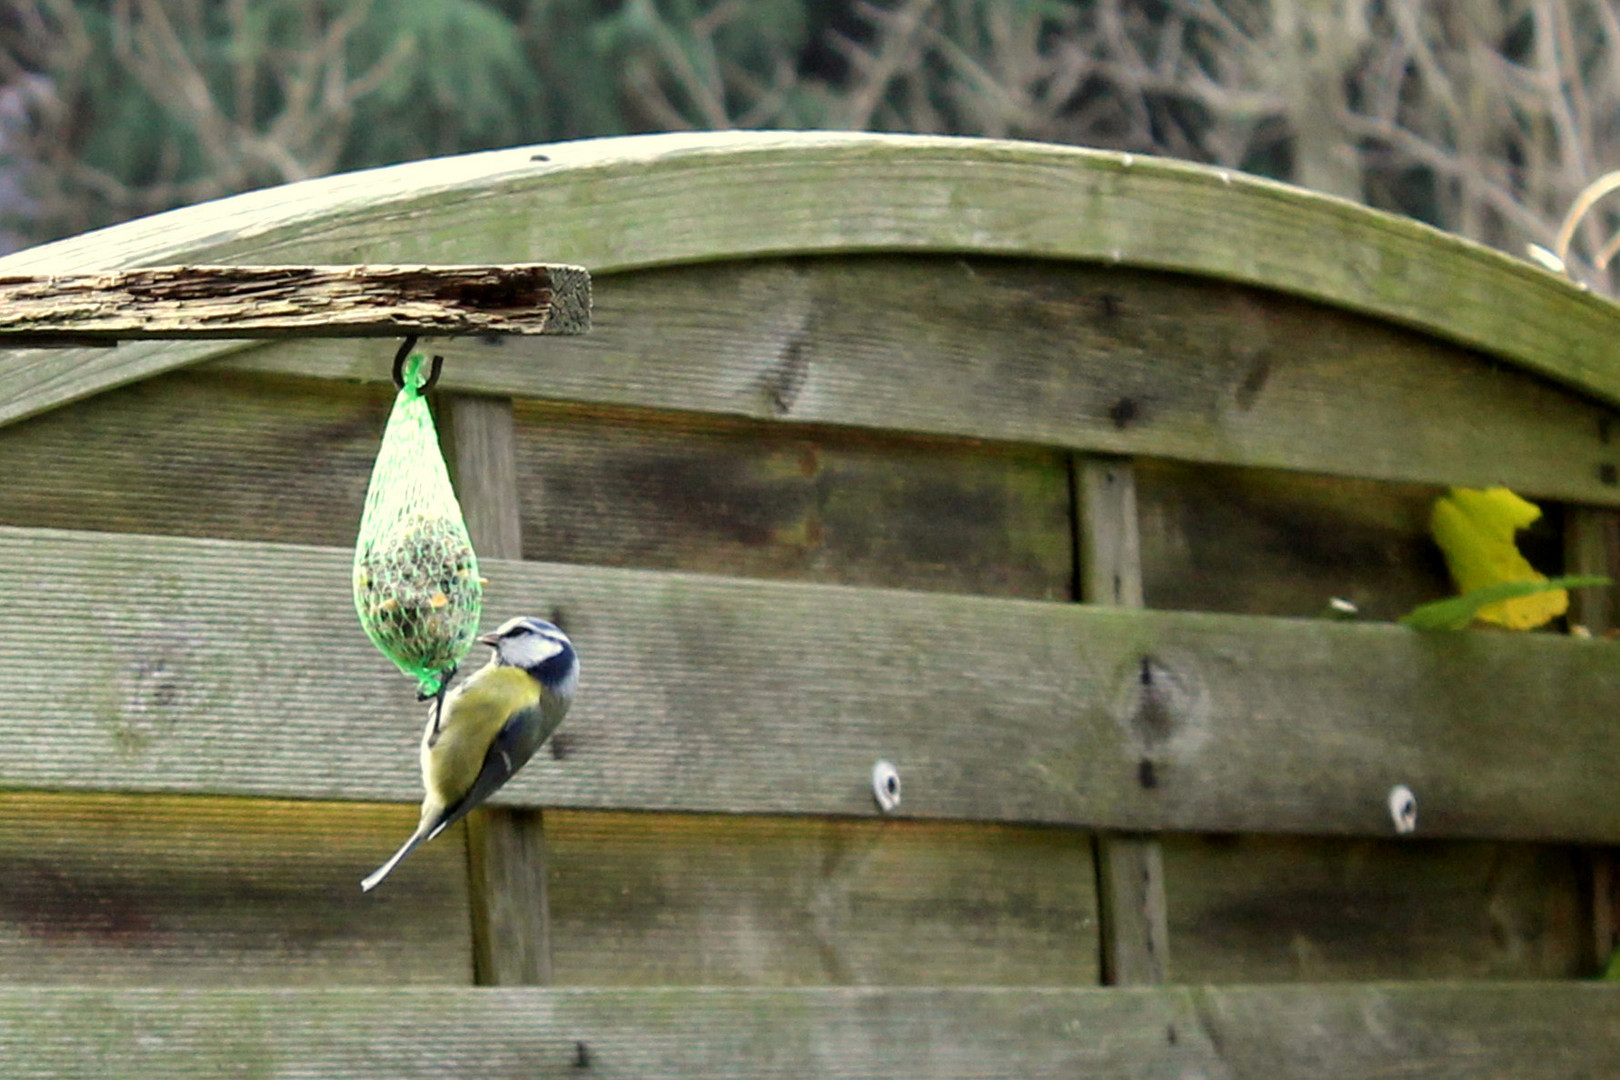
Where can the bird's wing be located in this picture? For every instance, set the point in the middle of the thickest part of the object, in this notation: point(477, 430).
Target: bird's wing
point(514, 745)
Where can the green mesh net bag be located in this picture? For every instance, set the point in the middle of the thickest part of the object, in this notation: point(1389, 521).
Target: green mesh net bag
point(416, 584)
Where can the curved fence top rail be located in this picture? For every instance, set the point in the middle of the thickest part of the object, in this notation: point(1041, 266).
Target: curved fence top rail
point(623, 203)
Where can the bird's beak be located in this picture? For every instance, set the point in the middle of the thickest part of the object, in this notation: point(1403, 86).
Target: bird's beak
point(489, 639)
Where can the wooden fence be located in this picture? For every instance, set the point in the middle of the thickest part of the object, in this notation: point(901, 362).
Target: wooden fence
point(860, 420)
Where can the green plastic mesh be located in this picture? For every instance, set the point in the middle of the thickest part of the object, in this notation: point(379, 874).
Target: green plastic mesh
point(416, 584)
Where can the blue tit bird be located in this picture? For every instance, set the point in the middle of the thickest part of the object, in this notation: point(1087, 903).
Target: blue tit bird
point(491, 725)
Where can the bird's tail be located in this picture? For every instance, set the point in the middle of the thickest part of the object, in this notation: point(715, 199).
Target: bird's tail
point(404, 849)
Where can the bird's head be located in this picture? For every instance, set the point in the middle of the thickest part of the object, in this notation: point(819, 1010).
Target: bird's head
point(539, 648)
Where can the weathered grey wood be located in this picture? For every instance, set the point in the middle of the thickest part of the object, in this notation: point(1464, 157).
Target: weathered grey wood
point(680, 492)
point(1130, 869)
point(1136, 931)
point(235, 302)
point(1605, 908)
point(249, 457)
point(615, 204)
point(1436, 1031)
point(192, 659)
point(1271, 909)
point(164, 890)
point(1265, 542)
point(479, 443)
point(1257, 909)
point(1592, 546)
point(1109, 535)
point(219, 454)
point(653, 899)
point(1093, 358)
point(511, 925)
point(201, 455)
point(506, 847)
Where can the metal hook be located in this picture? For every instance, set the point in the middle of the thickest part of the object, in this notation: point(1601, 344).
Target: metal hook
point(403, 354)
point(400, 357)
point(433, 374)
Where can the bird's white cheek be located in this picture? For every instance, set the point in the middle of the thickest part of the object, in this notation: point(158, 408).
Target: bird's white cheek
point(569, 684)
point(529, 650)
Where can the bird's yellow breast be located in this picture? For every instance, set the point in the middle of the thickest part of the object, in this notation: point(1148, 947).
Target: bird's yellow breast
point(472, 716)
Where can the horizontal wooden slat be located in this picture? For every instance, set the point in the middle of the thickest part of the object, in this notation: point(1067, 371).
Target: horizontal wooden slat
point(245, 457)
point(650, 899)
point(678, 492)
point(1266, 542)
point(200, 455)
point(614, 204)
point(187, 665)
point(154, 889)
point(1265, 909)
point(1097, 359)
point(1531, 1031)
point(194, 302)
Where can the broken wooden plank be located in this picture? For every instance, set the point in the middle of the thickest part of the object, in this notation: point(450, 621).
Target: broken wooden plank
point(647, 200)
point(234, 302)
point(1094, 359)
point(619, 204)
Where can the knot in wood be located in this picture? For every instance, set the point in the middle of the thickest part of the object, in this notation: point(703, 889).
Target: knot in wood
point(1162, 704)
point(1124, 412)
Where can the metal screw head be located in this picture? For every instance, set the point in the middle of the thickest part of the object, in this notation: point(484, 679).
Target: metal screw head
point(1403, 809)
point(886, 786)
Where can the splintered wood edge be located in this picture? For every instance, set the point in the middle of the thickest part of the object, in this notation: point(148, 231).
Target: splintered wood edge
point(238, 302)
point(623, 203)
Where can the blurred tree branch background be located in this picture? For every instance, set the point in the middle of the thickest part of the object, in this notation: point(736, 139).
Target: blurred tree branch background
point(1485, 117)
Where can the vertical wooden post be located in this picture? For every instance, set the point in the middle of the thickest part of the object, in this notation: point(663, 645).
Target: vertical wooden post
point(1592, 546)
point(505, 848)
point(1130, 869)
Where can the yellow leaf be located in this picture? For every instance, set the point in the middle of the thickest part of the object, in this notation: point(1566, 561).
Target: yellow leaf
point(1475, 531)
